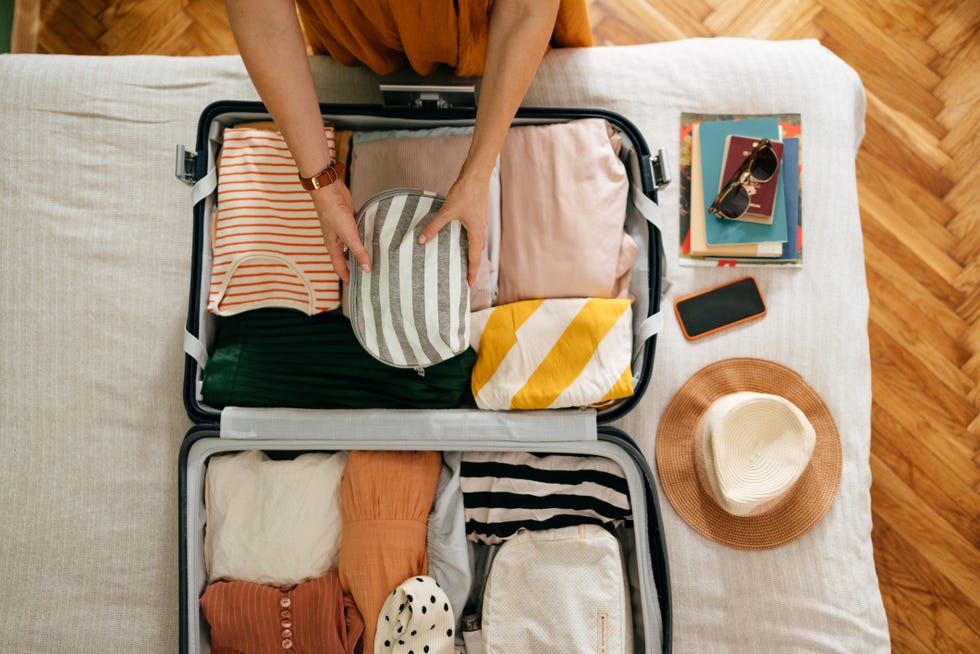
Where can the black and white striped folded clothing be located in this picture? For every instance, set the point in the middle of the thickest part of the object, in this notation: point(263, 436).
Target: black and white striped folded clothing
point(504, 492)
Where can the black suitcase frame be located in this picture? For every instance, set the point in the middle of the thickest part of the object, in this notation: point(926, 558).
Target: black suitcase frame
point(234, 429)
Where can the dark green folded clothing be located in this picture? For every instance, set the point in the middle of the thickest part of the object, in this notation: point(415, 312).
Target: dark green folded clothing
point(278, 357)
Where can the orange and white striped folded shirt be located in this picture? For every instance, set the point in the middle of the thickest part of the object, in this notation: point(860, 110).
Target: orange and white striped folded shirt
point(265, 237)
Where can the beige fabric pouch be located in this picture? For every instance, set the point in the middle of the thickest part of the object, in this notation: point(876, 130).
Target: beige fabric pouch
point(559, 590)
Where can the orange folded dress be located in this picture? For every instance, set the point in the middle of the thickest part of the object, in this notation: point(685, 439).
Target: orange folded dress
point(385, 502)
point(387, 35)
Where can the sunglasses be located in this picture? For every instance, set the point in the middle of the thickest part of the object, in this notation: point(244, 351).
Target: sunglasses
point(732, 202)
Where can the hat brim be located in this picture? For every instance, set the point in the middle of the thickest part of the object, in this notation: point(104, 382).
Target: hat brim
point(799, 509)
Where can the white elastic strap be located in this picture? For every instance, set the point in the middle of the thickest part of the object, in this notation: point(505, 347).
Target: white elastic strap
point(473, 641)
point(647, 207)
point(652, 325)
point(204, 186)
point(209, 183)
point(195, 348)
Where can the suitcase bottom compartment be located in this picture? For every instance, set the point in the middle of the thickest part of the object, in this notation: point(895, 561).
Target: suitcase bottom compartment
point(201, 445)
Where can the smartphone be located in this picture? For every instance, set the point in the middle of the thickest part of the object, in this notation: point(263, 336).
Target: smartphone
point(715, 309)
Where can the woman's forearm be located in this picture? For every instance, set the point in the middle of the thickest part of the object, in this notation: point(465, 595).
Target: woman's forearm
point(271, 44)
point(518, 38)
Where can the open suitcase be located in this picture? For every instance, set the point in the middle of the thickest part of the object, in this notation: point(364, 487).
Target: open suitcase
point(289, 431)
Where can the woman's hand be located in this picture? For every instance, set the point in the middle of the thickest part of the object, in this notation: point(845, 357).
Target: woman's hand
point(467, 203)
point(336, 212)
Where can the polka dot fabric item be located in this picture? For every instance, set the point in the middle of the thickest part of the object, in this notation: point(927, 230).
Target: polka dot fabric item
point(416, 619)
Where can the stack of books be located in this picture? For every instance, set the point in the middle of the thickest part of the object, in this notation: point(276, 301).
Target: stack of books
point(770, 233)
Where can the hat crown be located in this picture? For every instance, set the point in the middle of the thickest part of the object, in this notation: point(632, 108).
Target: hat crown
point(756, 447)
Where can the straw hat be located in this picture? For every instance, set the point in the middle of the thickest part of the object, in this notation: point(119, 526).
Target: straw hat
point(748, 454)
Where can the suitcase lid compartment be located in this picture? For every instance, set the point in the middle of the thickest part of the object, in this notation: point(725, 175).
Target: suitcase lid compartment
point(642, 223)
point(645, 563)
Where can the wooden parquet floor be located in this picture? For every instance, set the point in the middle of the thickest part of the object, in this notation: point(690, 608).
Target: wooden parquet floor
point(919, 188)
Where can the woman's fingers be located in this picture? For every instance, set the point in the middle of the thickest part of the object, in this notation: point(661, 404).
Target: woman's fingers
point(476, 234)
point(359, 251)
point(442, 218)
point(335, 246)
point(336, 211)
point(338, 247)
point(478, 240)
point(467, 203)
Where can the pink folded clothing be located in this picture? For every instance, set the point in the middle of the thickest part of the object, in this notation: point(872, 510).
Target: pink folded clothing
point(315, 616)
point(266, 237)
point(563, 204)
point(429, 163)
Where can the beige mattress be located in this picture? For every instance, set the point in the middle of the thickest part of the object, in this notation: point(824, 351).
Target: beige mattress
point(94, 269)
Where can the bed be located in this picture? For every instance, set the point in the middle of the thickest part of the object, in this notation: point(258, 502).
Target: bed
point(94, 268)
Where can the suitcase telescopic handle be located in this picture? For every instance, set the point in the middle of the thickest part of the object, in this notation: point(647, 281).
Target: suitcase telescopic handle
point(439, 96)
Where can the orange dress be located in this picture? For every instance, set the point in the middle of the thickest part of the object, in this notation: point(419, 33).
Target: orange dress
point(385, 502)
point(386, 35)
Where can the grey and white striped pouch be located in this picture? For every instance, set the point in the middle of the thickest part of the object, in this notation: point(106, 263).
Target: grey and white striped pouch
point(412, 309)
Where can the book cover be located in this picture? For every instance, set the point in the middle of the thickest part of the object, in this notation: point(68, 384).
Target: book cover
point(791, 253)
point(790, 171)
point(698, 242)
point(789, 127)
point(762, 195)
point(720, 231)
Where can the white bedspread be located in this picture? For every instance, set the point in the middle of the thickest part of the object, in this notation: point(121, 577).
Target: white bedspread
point(94, 269)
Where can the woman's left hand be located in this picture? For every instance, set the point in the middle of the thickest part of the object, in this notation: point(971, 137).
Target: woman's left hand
point(467, 203)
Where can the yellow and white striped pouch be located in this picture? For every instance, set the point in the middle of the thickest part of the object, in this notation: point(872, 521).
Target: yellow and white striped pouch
point(550, 354)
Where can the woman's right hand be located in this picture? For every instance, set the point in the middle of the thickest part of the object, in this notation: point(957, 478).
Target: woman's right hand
point(335, 209)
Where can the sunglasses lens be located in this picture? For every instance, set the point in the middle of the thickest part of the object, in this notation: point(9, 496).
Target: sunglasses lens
point(765, 165)
point(734, 204)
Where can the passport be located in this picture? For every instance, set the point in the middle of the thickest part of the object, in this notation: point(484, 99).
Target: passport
point(762, 195)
